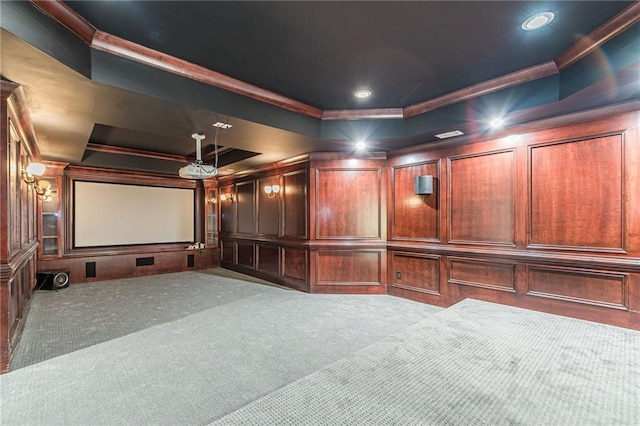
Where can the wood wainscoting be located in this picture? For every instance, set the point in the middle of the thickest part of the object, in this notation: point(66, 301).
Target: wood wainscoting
point(18, 224)
point(547, 220)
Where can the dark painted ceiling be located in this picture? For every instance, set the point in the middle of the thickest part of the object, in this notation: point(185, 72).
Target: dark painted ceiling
point(316, 53)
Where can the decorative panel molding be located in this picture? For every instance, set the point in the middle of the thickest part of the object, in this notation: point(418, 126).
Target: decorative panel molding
point(295, 204)
point(296, 263)
point(348, 203)
point(349, 267)
point(244, 254)
point(268, 258)
point(228, 251)
point(480, 273)
point(481, 204)
point(415, 272)
point(245, 205)
point(268, 208)
point(415, 217)
point(227, 211)
point(576, 195)
point(600, 288)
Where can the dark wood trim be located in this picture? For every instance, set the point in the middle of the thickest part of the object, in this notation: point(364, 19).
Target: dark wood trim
point(117, 46)
point(518, 77)
point(67, 17)
point(363, 114)
point(117, 176)
point(599, 36)
point(108, 43)
point(19, 108)
point(137, 152)
point(530, 127)
point(528, 256)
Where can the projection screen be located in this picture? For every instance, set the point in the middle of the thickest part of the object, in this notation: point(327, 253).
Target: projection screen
point(107, 214)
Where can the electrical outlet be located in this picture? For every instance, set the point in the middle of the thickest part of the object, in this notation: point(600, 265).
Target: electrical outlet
point(399, 275)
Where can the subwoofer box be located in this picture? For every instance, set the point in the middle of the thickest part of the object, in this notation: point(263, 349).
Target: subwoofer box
point(52, 280)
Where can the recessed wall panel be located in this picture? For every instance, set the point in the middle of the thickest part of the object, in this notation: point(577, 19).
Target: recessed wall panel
point(348, 204)
point(417, 273)
point(415, 217)
point(601, 288)
point(341, 267)
point(295, 204)
point(576, 195)
point(482, 198)
point(481, 273)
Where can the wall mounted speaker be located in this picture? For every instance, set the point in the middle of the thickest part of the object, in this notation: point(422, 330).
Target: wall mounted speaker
point(54, 280)
point(423, 185)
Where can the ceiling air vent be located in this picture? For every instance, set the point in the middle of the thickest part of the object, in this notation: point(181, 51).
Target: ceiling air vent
point(450, 134)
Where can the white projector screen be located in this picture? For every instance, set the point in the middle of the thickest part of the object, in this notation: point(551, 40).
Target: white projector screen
point(107, 214)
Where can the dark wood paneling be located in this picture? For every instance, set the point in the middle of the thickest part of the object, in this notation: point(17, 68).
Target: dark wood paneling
point(245, 254)
point(245, 205)
point(482, 198)
point(577, 195)
point(227, 210)
point(118, 266)
point(600, 288)
point(294, 196)
point(228, 250)
point(415, 217)
point(268, 208)
point(481, 273)
point(296, 263)
point(268, 258)
point(349, 267)
point(117, 46)
point(415, 272)
point(348, 204)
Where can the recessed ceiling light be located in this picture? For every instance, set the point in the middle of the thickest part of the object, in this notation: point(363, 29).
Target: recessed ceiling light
point(538, 20)
point(496, 122)
point(362, 94)
point(361, 145)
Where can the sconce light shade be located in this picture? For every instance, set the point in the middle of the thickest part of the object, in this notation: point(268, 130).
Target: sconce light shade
point(36, 169)
point(227, 197)
point(423, 185)
point(272, 190)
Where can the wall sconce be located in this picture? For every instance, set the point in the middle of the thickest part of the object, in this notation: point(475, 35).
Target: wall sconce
point(227, 197)
point(42, 187)
point(272, 190)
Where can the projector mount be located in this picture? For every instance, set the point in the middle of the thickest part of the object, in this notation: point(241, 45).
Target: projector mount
point(198, 169)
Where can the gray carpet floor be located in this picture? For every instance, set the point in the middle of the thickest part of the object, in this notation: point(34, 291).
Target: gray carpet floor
point(475, 363)
point(181, 349)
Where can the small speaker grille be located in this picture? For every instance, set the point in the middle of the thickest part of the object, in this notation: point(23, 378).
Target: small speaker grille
point(144, 261)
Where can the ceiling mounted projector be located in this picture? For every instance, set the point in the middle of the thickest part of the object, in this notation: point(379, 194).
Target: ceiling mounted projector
point(197, 169)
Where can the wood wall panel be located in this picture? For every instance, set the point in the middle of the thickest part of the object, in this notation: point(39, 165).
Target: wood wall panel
point(600, 288)
point(296, 263)
point(268, 258)
point(348, 203)
point(245, 253)
point(118, 266)
point(228, 220)
point(245, 205)
point(268, 208)
point(415, 217)
point(482, 198)
point(481, 273)
point(415, 272)
point(349, 267)
point(294, 197)
point(227, 249)
point(577, 195)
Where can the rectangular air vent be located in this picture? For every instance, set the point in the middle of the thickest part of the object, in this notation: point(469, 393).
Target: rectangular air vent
point(144, 261)
point(450, 134)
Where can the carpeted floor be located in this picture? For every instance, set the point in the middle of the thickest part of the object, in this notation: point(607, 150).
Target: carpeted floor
point(213, 347)
point(181, 349)
point(475, 363)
